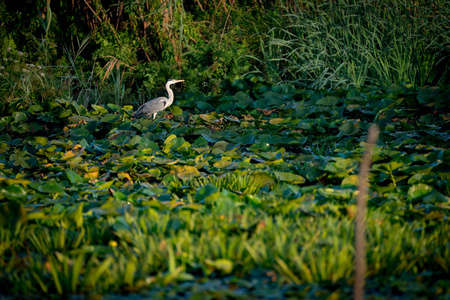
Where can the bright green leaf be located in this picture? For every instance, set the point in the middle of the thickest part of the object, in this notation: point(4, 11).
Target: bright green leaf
point(19, 116)
point(14, 192)
point(290, 177)
point(419, 191)
point(73, 176)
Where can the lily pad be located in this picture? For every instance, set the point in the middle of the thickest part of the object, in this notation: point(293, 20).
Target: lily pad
point(328, 101)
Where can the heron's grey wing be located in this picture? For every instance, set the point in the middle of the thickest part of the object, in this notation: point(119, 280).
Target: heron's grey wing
point(151, 107)
point(139, 111)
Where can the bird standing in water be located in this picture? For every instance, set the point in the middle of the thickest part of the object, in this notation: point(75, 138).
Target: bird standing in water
point(158, 104)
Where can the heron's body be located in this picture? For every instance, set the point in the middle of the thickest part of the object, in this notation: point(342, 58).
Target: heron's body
point(158, 104)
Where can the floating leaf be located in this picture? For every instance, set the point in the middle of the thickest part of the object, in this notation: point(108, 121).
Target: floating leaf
point(204, 106)
point(225, 146)
point(35, 108)
point(210, 118)
point(419, 190)
point(328, 101)
point(225, 164)
point(104, 185)
point(164, 161)
point(113, 107)
point(176, 110)
point(92, 173)
point(14, 192)
point(100, 109)
point(41, 140)
point(122, 168)
point(19, 116)
point(11, 181)
point(128, 107)
point(290, 177)
point(75, 119)
point(175, 143)
point(436, 197)
point(51, 187)
point(247, 139)
point(73, 176)
point(81, 133)
point(110, 118)
point(242, 99)
point(263, 179)
point(20, 159)
point(210, 138)
point(65, 114)
point(186, 172)
point(75, 152)
point(342, 165)
point(351, 180)
point(349, 127)
point(276, 121)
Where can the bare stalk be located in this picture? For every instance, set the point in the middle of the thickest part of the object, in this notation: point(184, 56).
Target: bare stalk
point(361, 207)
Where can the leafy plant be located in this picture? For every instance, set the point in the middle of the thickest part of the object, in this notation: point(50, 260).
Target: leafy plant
point(18, 78)
point(344, 44)
point(247, 191)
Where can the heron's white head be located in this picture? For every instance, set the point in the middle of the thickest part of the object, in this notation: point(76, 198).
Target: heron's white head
point(172, 81)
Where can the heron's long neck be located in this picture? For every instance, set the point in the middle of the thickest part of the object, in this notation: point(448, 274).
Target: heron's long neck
point(170, 92)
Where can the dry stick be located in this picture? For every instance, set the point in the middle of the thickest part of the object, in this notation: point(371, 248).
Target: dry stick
point(95, 13)
point(361, 207)
point(199, 4)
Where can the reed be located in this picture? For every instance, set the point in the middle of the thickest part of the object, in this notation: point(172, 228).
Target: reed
point(344, 43)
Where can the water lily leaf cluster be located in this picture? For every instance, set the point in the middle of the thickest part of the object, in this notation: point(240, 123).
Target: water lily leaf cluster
point(261, 180)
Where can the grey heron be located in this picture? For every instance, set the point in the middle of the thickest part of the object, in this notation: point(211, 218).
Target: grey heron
point(158, 104)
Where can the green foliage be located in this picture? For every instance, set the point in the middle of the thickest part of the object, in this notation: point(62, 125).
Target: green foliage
point(136, 47)
point(133, 47)
point(242, 188)
point(94, 202)
point(18, 78)
point(341, 44)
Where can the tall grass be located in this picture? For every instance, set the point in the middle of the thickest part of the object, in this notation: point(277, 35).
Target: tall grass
point(345, 43)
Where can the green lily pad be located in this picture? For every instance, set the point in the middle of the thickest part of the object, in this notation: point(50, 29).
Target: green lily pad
point(243, 99)
point(418, 191)
point(109, 118)
point(328, 101)
point(186, 172)
point(349, 127)
point(19, 116)
point(290, 177)
point(73, 176)
point(14, 192)
point(50, 187)
point(99, 109)
point(225, 164)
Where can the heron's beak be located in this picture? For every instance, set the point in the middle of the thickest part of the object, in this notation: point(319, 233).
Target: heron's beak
point(181, 80)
